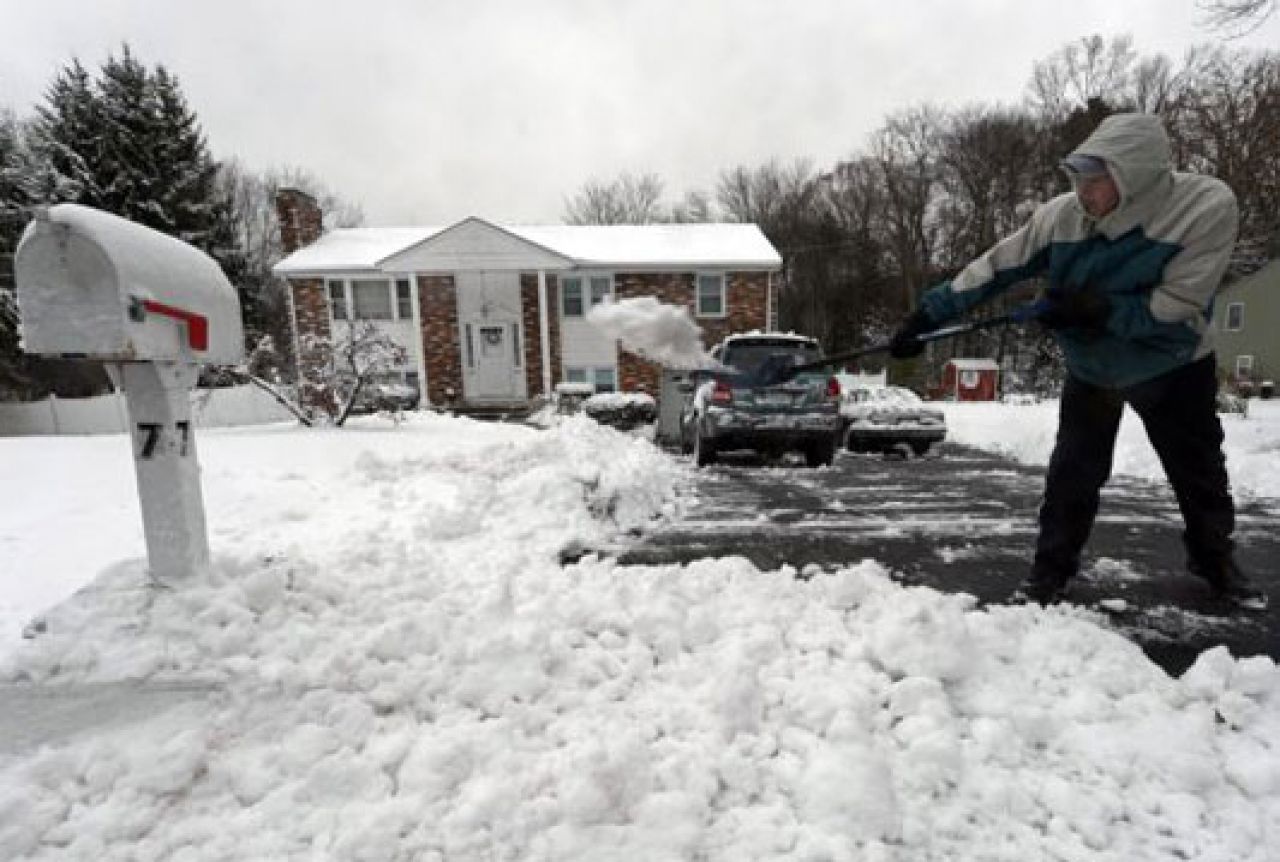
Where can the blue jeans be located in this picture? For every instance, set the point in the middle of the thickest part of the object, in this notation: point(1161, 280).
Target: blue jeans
point(1179, 412)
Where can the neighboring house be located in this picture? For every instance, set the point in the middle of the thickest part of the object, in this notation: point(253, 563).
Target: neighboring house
point(494, 316)
point(1246, 320)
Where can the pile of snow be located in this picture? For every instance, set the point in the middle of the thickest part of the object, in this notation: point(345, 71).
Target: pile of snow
point(620, 401)
point(663, 333)
point(708, 711)
point(1026, 433)
point(387, 661)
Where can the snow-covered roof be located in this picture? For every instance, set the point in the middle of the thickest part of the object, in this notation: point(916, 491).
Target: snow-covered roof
point(657, 244)
point(355, 248)
point(640, 246)
point(975, 364)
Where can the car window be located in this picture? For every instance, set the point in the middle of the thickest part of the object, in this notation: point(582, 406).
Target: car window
point(748, 356)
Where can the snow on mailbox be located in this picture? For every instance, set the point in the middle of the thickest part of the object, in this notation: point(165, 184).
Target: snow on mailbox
point(95, 286)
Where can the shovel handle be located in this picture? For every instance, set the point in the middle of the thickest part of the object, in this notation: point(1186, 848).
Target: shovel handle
point(1018, 315)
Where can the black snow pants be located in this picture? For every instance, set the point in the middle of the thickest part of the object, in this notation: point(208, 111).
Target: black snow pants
point(1179, 412)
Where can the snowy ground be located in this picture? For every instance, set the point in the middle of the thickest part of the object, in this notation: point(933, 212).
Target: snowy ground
point(387, 661)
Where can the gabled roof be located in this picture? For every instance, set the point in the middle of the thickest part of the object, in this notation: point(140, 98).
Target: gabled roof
point(741, 246)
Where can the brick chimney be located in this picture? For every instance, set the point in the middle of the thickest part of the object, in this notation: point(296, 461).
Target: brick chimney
point(301, 221)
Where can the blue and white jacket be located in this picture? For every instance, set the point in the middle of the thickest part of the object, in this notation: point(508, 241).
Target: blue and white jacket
point(1159, 256)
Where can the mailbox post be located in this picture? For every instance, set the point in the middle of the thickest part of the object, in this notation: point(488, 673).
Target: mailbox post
point(94, 286)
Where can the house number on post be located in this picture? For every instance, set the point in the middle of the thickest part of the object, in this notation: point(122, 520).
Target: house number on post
point(152, 435)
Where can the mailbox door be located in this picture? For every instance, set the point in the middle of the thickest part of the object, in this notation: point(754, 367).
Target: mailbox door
point(67, 296)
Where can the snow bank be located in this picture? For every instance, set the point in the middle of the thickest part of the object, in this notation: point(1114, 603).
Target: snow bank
point(1026, 434)
point(387, 661)
point(433, 709)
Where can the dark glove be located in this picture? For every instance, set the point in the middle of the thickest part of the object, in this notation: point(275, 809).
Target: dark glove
point(906, 343)
point(1075, 309)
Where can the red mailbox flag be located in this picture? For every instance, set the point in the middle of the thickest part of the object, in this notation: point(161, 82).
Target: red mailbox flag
point(197, 324)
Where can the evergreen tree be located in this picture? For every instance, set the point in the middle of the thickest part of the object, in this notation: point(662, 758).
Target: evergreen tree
point(66, 138)
point(129, 144)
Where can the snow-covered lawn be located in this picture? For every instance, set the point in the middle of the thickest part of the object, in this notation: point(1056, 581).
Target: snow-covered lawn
point(387, 661)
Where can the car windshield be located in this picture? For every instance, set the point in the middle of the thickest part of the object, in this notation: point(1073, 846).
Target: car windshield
point(747, 356)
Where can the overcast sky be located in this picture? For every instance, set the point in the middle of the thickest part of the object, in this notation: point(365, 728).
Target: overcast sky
point(426, 112)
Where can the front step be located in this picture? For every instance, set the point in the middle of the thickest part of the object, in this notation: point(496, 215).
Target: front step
point(490, 412)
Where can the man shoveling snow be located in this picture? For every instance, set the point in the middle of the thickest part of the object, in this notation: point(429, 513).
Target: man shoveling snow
point(1133, 256)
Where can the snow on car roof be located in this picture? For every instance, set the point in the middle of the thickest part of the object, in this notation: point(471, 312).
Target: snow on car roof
point(757, 335)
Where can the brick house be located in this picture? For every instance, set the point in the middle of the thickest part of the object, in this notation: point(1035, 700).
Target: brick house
point(494, 316)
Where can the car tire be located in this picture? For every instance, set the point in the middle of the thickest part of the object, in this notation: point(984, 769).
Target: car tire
point(820, 453)
point(921, 447)
point(704, 450)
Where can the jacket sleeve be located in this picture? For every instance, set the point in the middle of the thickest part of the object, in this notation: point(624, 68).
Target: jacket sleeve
point(1017, 257)
point(1190, 279)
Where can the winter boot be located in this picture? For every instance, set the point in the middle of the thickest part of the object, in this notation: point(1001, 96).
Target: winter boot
point(1229, 582)
point(1040, 587)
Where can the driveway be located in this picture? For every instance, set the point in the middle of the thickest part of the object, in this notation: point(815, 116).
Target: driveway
point(962, 520)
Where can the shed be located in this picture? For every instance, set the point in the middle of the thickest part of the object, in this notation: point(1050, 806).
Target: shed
point(970, 379)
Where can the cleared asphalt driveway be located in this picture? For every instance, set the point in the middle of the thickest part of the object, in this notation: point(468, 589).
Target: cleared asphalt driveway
point(962, 520)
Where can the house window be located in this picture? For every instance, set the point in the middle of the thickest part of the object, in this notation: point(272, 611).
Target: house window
point(601, 289)
point(1235, 317)
point(404, 300)
point(515, 345)
point(1244, 367)
point(605, 379)
point(371, 299)
point(571, 297)
point(338, 300)
point(711, 295)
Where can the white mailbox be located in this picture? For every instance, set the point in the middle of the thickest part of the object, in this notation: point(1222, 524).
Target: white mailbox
point(96, 286)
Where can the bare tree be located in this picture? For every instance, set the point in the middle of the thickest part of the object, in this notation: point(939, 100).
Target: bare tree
point(784, 201)
point(253, 214)
point(357, 357)
point(1227, 125)
point(906, 152)
point(1091, 68)
point(695, 207)
point(1236, 18)
point(629, 199)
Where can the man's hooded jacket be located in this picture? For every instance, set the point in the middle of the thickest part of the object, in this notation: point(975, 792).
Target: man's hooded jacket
point(1159, 257)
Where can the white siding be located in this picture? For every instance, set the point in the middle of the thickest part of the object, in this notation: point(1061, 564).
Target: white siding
point(474, 245)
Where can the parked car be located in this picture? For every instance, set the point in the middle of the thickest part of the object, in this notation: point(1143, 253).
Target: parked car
point(385, 394)
point(733, 408)
point(882, 418)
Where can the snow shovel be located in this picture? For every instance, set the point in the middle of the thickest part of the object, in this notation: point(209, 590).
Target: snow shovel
point(773, 373)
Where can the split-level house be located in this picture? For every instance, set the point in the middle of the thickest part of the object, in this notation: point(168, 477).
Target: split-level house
point(493, 316)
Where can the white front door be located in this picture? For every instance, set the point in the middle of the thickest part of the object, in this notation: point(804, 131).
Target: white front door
point(494, 347)
point(492, 341)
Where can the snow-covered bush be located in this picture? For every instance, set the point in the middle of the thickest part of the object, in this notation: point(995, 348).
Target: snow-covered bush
point(622, 410)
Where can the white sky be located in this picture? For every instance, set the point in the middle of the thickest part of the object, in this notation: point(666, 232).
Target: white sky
point(427, 112)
